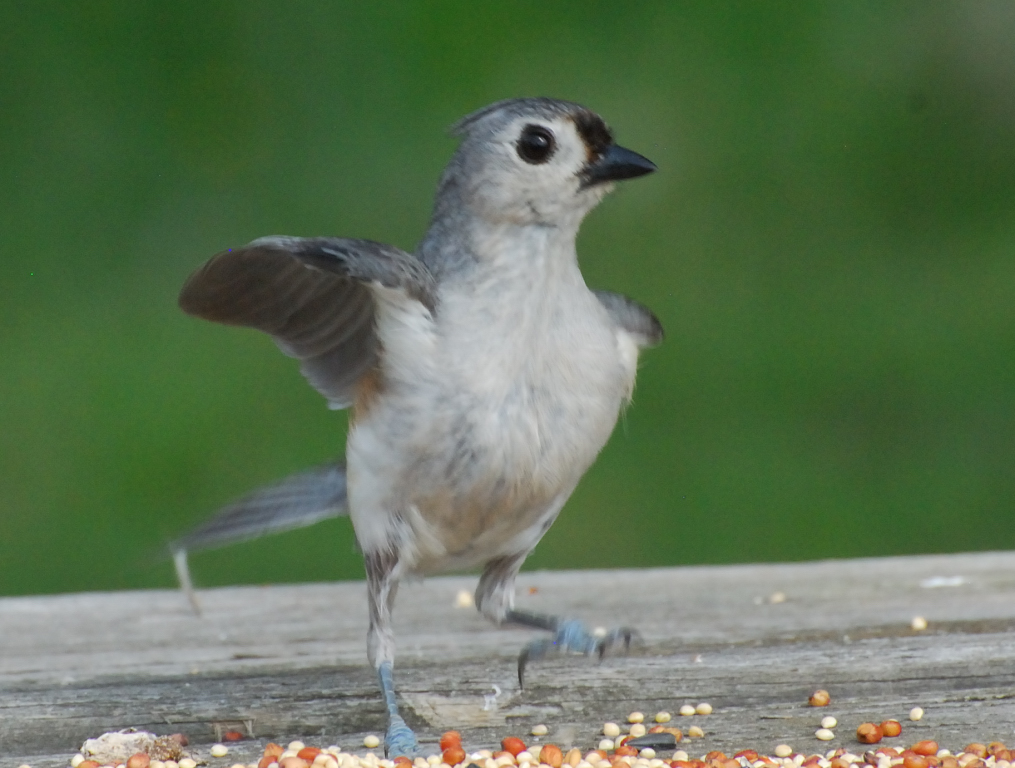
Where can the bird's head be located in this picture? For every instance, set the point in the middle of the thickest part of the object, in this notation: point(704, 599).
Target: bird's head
point(536, 161)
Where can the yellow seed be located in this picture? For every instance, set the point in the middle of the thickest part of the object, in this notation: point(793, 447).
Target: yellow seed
point(824, 734)
point(663, 717)
point(680, 755)
point(704, 708)
point(606, 745)
point(635, 717)
point(219, 750)
point(187, 763)
point(77, 760)
point(687, 710)
point(637, 730)
point(648, 753)
point(916, 713)
point(296, 746)
point(540, 730)
point(783, 750)
point(918, 623)
point(611, 730)
point(370, 742)
point(695, 732)
point(829, 722)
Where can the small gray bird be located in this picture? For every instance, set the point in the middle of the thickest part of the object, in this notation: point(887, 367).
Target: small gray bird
point(484, 376)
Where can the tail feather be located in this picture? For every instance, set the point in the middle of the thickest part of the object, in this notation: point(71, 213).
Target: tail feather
point(297, 501)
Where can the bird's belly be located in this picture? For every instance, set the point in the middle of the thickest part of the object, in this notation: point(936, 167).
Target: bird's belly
point(475, 463)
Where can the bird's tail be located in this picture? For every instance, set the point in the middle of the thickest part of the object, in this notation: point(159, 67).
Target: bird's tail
point(297, 501)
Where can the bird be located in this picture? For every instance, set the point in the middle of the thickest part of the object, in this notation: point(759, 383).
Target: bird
point(482, 374)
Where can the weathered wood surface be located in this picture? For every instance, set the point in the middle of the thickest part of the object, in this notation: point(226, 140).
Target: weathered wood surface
point(289, 661)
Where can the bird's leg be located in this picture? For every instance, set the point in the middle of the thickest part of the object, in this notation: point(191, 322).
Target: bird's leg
point(495, 597)
point(382, 584)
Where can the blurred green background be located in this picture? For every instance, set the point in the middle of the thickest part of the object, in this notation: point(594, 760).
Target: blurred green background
point(829, 242)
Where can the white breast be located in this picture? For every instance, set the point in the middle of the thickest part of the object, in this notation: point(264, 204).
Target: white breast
point(488, 418)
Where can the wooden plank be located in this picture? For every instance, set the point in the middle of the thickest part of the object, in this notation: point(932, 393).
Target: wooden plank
point(290, 660)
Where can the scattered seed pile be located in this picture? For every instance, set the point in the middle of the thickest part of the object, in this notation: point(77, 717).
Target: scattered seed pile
point(640, 747)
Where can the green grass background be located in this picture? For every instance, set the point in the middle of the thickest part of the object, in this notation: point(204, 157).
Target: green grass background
point(829, 242)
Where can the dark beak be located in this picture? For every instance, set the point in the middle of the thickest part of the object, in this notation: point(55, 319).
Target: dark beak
point(616, 164)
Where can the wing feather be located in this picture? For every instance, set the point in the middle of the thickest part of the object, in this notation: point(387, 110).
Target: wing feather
point(634, 318)
point(313, 296)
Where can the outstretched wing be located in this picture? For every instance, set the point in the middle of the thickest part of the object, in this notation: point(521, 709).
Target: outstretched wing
point(631, 316)
point(312, 296)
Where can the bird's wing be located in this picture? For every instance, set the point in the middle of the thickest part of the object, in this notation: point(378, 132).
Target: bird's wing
point(632, 317)
point(313, 296)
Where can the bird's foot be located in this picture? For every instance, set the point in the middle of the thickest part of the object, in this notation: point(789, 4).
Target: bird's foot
point(400, 740)
point(572, 636)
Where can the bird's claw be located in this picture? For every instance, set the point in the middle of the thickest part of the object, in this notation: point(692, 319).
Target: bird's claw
point(573, 637)
point(399, 740)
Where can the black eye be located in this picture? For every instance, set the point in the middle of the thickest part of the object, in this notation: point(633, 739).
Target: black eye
point(536, 144)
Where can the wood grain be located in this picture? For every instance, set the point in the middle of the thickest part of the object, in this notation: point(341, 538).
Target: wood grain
point(289, 661)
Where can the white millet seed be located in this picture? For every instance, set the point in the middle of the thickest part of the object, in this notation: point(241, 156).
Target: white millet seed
point(296, 746)
point(687, 710)
point(525, 755)
point(648, 753)
point(704, 708)
point(187, 762)
point(680, 755)
point(918, 623)
point(604, 764)
point(824, 734)
point(610, 730)
point(370, 742)
point(606, 745)
point(783, 750)
point(916, 713)
point(219, 750)
point(77, 760)
point(635, 717)
point(637, 730)
point(540, 730)
point(829, 722)
point(663, 717)
point(695, 732)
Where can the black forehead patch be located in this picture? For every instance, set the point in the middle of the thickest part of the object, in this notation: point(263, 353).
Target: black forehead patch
point(593, 130)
